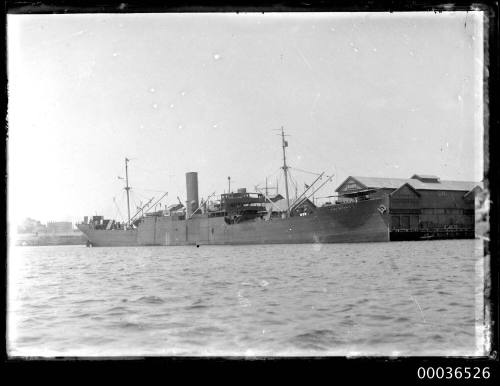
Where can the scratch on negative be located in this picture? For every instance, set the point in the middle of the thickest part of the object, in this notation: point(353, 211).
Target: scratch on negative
point(303, 58)
point(421, 313)
point(313, 108)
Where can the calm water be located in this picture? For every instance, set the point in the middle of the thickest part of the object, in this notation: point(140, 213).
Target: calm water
point(408, 298)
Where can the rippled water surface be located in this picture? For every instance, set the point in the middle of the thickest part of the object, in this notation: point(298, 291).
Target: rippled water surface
point(407, 298)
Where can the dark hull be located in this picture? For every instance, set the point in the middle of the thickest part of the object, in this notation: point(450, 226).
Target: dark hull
point(356, 222)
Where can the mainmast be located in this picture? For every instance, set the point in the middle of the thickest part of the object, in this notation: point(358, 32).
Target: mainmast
point(285, 171)
point(127, 188)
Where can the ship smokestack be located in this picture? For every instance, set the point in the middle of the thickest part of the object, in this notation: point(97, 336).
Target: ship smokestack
point(191, 193)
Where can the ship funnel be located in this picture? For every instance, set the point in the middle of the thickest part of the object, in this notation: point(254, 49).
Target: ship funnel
point(191, 193)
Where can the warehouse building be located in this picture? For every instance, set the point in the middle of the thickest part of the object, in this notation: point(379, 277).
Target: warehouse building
point(420, 206)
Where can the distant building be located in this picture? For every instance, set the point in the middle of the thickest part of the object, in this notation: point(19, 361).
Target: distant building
point(30, 225)
point(59, 227)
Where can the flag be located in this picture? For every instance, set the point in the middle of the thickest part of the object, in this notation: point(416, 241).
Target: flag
point(286, 143)
point(306, 186)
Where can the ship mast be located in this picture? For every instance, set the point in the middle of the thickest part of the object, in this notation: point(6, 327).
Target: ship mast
point(285, 171)
point(127, 188)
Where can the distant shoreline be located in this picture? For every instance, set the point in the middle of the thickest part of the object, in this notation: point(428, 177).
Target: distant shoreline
point(41, 239)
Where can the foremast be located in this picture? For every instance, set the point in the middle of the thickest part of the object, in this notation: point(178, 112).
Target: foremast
point(127, 189)
point(285, 171)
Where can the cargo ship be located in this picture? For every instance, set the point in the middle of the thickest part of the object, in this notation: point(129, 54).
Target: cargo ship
point(365, 210)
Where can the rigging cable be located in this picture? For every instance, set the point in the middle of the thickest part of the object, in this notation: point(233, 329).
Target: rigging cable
point(305, 171)
point(268, 178)
point(294, 183)
point(118, 211)
point(118, 207)
point(313, 173)
point(151, 190)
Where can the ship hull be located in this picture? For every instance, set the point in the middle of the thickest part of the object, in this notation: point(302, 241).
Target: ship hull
point(360, 222)
point(108, 238)
point(357, 222)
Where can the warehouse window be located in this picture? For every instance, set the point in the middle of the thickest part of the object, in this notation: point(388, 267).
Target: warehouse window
point(351, 186)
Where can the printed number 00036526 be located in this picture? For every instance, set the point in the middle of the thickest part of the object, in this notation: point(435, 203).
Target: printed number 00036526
point(453, 372)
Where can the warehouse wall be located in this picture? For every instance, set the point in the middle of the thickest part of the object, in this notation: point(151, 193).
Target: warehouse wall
point(430, 209)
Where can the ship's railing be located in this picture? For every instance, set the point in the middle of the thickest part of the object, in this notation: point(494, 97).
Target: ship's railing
point(106, 224)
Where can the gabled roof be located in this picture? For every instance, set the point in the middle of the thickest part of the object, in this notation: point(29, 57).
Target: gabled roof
point(277, 205)
point(347, 179)
point(409, 186)
point(395, 183)
point(277, 198)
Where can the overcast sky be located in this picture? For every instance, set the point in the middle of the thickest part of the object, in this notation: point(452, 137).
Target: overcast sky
point(367, 94)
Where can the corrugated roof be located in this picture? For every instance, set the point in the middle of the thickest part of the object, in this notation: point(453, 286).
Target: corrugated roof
point(394, 183)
